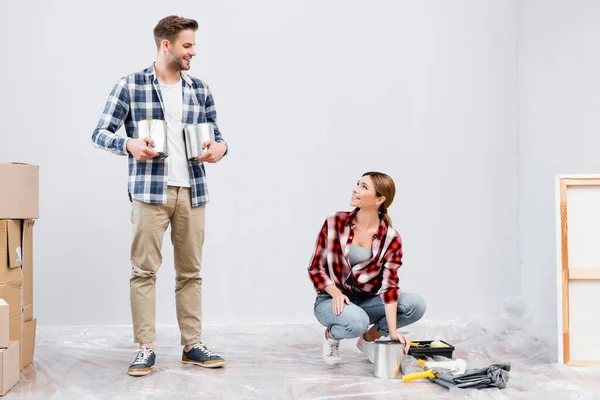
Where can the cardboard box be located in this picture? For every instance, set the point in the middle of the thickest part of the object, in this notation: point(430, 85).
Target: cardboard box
point(12, 295)
point(28, 294)
point(10, 246)
point(11, 278)
point(15, 250)
point(27, 313)
point(4, 324)
point(19, 206)
point(15, 329)
point(9, 367)
point(27, 264)
point(28, 344)
point(19, 191)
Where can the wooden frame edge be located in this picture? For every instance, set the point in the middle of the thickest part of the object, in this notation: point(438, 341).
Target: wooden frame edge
point(565, 269)
point(584, 274)
point(582, 363)
point(575, 273)
point(583, 181)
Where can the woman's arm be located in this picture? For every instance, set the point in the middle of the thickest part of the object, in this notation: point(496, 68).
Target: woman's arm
point(319, 273)
point(390, 290)
point(391, 315)
point(391, 262)
point(317, 269)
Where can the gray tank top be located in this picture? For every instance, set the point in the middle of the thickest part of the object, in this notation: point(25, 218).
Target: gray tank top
point(358, 254)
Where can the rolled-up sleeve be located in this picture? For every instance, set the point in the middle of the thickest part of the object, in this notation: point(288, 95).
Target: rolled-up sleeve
point(317, 269)
point(391, 262)
point(115, 113)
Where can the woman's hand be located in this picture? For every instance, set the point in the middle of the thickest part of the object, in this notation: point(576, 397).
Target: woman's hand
point(338, 299)
point(338, 303)
point(398, 337)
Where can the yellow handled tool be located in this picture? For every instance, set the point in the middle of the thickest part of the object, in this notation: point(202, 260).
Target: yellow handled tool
point(456, 367)
point(432, 345)
point(419, 375)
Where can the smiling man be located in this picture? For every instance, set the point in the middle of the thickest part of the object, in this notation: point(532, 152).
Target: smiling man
point(165, 187)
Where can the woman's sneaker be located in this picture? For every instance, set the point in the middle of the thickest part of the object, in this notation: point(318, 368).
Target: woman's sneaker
point(366, 347)
point(331, 351)
point(200, 355)
point(143, 363)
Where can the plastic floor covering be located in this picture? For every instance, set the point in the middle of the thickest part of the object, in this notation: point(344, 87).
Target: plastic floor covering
point(284, 362)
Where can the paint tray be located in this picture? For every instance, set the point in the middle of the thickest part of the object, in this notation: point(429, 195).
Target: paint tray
point(424, 350)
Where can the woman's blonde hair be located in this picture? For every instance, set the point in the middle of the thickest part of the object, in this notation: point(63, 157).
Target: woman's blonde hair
point(384, 186)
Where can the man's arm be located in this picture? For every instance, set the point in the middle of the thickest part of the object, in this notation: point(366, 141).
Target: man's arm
point(115, 113)
point(217, 149)
point(211, 116)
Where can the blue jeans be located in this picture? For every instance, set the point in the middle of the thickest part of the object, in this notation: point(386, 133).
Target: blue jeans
point(365, 310)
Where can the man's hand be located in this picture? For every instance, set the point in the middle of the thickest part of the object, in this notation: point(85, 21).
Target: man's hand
point(214, 153)
point(398, 337)
point(140, 150)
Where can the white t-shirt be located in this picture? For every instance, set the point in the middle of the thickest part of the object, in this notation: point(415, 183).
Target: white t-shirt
point(172, 96)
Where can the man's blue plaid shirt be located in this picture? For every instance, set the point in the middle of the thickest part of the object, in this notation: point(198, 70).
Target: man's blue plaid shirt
point(136, 98)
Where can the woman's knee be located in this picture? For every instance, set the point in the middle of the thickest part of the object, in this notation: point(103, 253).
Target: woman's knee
point(412, 305)
point(353, 321)
point(357, 324)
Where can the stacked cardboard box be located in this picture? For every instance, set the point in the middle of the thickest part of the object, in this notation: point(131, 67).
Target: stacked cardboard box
point(9, 353)
point(19, 207)
point(4, 318)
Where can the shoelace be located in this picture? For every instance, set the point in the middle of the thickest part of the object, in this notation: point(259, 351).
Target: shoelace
point(203, 349)
point(334, 349)
point(142, 356)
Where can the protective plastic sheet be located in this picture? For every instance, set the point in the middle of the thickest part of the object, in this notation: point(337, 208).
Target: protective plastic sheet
point(283, 362)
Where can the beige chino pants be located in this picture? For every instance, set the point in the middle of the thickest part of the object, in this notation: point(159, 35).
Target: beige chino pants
point(150, 221)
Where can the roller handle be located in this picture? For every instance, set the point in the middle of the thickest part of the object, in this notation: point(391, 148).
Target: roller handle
point(418, 375)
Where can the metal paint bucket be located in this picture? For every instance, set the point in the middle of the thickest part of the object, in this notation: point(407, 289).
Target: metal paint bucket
point(195, 135)
point(389, 359)
point(156, 130)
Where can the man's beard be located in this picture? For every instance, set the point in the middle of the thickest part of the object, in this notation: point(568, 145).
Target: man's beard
point(179, 65)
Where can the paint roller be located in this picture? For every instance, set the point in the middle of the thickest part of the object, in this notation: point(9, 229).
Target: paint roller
point(433, 345)
point(456, 367)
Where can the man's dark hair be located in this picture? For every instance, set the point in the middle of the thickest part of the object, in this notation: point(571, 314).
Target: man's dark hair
point(169, 27)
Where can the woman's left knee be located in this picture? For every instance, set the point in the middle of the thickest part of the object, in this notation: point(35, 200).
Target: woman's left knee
point(413, 305)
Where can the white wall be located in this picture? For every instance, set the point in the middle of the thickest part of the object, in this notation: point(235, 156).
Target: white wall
point(559, 60)
point(309, 97)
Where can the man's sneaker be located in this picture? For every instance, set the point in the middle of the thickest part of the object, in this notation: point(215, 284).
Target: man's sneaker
point(143, 363)
point(202, 356)
point(331, 351)
point(366, 347)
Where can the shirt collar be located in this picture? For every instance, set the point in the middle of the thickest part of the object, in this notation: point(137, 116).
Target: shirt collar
point(152, 75)
point(381, 230)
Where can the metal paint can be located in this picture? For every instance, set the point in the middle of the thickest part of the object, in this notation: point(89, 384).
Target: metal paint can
point(156, 130)
point(195, 135)
point(389, 361)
